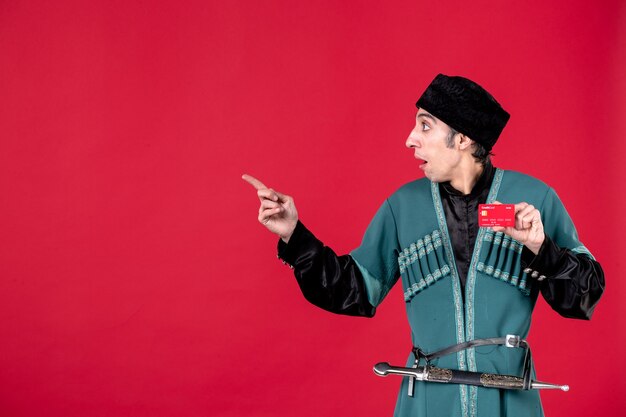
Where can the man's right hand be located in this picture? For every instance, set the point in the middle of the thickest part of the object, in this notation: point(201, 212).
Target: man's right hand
point(277, 212)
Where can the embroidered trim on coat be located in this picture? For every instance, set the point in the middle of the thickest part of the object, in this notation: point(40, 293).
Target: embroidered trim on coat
point(504, 276)
point(500, 239)
point(419, 249)
point(469, 291)
point(456, 289)
point(425, 282)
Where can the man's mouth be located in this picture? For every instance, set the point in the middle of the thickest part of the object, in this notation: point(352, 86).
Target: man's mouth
point(423, 162)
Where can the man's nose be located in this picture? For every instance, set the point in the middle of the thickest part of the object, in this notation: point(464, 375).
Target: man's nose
point(413, 141)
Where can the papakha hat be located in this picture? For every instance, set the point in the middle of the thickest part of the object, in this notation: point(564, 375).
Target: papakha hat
point(465, 106)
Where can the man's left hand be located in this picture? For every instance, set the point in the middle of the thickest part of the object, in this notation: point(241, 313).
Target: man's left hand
point(528, 227)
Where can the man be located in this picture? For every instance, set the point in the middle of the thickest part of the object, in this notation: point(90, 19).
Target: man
point(461, 282)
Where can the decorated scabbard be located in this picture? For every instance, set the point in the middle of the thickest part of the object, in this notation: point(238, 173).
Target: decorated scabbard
point(453, 376)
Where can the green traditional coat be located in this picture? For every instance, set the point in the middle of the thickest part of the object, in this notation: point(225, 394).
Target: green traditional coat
point(408, 238)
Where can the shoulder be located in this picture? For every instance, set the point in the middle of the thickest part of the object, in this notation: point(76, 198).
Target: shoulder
point(517, 187)
point(414, 196)
point(411, 190)
point(420, 185)
point(519, 179)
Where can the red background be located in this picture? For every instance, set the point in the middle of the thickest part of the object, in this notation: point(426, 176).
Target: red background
point(134, 276)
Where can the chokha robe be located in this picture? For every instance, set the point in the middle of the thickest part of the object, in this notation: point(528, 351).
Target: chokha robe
point(408, 238)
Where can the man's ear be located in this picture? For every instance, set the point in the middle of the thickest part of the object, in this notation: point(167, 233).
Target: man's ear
point(464, 142)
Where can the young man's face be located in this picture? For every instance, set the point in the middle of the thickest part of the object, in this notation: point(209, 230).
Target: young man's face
point(428, 139)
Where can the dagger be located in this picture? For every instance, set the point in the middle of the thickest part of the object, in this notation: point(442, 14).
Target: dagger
point(453, 376)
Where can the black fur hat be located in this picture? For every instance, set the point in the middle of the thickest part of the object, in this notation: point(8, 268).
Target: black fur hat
point(465, 106)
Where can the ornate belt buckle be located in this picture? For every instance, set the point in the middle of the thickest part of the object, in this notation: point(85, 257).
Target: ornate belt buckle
point(512, 340)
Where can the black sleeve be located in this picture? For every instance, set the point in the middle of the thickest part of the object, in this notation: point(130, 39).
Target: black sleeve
point(571, 283)
point(331, 282)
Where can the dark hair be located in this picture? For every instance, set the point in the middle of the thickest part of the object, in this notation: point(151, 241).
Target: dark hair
point(480, 154)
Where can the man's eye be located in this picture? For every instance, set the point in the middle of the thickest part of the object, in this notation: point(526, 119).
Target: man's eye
point(425, 127)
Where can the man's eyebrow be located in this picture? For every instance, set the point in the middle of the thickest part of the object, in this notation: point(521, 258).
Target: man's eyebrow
point(427, 115)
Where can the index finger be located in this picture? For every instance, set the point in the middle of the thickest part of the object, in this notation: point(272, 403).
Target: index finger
point(254, 182)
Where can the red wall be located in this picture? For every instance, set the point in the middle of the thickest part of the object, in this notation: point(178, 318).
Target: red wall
point(134, 277)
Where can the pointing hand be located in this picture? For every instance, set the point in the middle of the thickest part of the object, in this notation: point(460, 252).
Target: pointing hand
point(277, 211)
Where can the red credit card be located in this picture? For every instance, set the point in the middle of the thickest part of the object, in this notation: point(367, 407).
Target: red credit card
point(496, 215)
